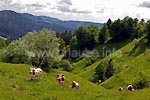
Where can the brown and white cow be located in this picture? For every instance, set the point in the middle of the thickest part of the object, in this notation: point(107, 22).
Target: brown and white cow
point(75, 85)
point(61, 79)
point(35, 73)
point(130, 87)
point(120, 89)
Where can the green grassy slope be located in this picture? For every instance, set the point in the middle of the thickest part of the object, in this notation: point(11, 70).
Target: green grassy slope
point(80, 66)
point(131, 64)
point(88, 73)
point(15, 84)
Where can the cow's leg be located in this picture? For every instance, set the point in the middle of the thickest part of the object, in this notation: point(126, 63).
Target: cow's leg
point(32, 77)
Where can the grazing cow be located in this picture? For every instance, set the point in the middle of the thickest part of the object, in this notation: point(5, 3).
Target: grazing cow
point(75, 85)
point(35, 72)
point(120, 89)
point(130, 88)
point(61, 79)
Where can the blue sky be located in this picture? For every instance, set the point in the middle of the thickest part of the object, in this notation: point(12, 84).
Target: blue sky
point(85, 10)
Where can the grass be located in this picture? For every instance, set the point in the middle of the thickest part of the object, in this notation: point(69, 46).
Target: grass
point(88, 73)
point(80, 66)
point(131, 63)
point(129, 66)
point(15, 84)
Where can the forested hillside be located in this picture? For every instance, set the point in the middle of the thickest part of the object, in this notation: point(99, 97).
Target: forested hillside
point(14, 25)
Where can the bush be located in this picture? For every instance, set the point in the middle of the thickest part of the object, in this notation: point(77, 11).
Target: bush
point(45, 63)
point(109, 70)
point(99, 73)
point(15, 54)
point(56, 65)
point(88, 61)
point(65, 64)
point(94, 79)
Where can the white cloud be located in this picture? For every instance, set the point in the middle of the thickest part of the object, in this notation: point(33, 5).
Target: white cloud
point(89, 10)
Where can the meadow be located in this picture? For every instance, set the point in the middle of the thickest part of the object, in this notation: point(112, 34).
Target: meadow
point(15, 84)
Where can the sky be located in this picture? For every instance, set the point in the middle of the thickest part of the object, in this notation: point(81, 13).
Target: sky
point(81, 10)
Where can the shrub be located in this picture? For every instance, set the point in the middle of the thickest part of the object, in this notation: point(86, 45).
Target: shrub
point(56, 65)
point(94, 79)
point(88, 61)
point(109, 70)
point(99, 73)
point(65, 64)
point(45, 64)
point(15, 53)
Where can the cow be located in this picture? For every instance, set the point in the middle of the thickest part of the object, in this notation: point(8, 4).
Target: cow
point(35, 73)
point(61, 79)
point(32, 73)
point(130, 87)
point(120, 89)
point(75, 85)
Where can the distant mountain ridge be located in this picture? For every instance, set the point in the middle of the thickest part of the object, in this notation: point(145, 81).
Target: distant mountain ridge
point(14, 25)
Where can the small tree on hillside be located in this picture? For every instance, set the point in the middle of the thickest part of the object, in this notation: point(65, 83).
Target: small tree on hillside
point(99, 73)
point(109, 70)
